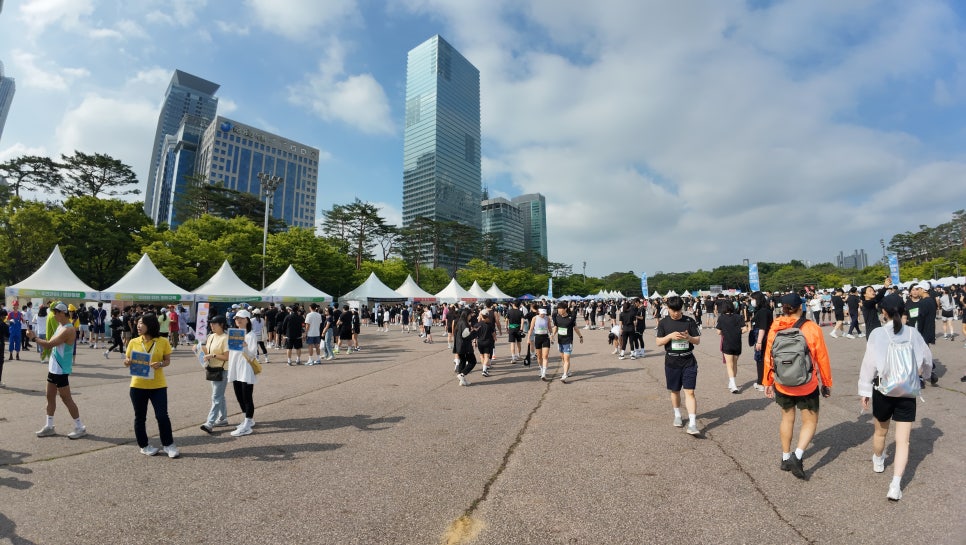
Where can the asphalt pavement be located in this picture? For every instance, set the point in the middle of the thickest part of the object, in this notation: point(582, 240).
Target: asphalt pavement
point(383, 446)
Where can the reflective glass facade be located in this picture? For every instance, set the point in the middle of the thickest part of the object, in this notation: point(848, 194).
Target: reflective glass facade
point(178, 155)
point(441, 151)
point(234, 153)
point(7, 89)
point(534, 208)
point(504, 219)
point(186, 95)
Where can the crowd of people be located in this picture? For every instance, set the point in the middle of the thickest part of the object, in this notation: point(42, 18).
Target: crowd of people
point(783, 330)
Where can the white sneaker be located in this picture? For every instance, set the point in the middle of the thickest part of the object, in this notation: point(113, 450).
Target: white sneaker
point(733, 389)
point(543, 373)
point(241, 430)
point(564, 377)
point(677, 422)
point(759, 387)
point(833, 334)
point(46, 431)
point(171, 451)
point(462, 379)
point(79, 431)
point(895, 493)
point(614, 352)
point(849, 336)
point(106, 356)
point(861, 335)
point(692, 429)
point(878, 464)
point(149, 450)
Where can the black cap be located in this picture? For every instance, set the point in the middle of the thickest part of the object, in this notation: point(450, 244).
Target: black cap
point(792, 299)
point(892, 302)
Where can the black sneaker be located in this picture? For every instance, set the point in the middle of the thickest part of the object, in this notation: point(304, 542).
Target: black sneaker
point(933, 379)
point(798, 469)
point(205, 428)
point(787, 464)
point(485, 373)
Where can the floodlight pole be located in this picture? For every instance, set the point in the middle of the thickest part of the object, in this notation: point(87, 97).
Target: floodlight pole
point(269, 184)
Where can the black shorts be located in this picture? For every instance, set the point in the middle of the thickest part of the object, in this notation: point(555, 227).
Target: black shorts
point(839, 316)
point(59, 381)
point(345, 335)
point(541, 341)
point(899, 409)
point(293, 343)
point(515, 335)
point(427, 329)
point(486, 349)
point(804, 403)
point(679, 378)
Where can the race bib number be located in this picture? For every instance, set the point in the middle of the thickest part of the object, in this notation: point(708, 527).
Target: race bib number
point(680, 345)
point(562, 331)
point(914, 312)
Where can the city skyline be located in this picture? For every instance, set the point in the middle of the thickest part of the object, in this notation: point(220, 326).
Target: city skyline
point(740, 119)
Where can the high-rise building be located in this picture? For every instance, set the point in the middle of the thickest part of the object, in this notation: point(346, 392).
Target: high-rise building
point(7, 88)
point(534, 208)
point(186, 95)
point(858, 260)
point(233, 154)
point(442, 177)
point(178, 161)
point(504, 220)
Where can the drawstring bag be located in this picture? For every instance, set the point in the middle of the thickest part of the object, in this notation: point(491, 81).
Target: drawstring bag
point(900, 374)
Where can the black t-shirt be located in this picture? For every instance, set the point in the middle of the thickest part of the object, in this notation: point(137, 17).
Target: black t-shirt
point(667, 325)
point(484, 331)
point(293, 325)
point(627, 320)
point(730, 326)
point(270, 316)
point(853, 303)
point(514, 316)
point(837, 303)
point(641, 323)
point(565, 328)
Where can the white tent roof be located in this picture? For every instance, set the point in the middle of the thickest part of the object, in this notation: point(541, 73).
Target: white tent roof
point(144, 282)
point(225, 285)
point(411, 290)
point(478, 291)
point(373, 290)
point(291, 287)
point(497, 294)
point(670, 293)
point(453, 292)
point(655, 295)
point(53, 279)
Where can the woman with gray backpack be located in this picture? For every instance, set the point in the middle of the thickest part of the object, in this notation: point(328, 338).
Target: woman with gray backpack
point(895, 358)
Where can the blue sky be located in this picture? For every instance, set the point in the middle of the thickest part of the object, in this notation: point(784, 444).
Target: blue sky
point(665, 135)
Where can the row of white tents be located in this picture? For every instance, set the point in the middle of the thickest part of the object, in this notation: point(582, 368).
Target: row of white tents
point(145, 283)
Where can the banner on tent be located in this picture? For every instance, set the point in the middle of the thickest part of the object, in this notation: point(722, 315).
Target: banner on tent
point(753, 284)
point(146, 297)
point(644, 289)
point(201, 326)
point(51, 294)
point(233, 298)
point(894, 268)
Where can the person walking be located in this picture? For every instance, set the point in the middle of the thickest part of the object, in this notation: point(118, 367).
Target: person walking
point(540, 339)
point(564, 328)
point(852, 301)
point(61, 347)
point(760, 325)
point(731, 327)
point(679, 334)
point(241, 374)
point(486, 339)
point(152, 388)
point(886, 408)
point(463, 344)
point(802, 397)
point(215, 355)
point(15, 323)
point(294, 327)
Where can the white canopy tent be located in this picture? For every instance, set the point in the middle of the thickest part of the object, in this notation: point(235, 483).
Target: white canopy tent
point(53, 280)
point(497, 294)
point(291, 288)
point(478, 291)
point(372, 291)
point(144, 282)
point(225, 285)
point(453, 293)
point(655, 295)
point(411, 290)
point(670, 293)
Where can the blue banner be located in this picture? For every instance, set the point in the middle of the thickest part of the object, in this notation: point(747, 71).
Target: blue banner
point(894, 268)
point(753, 284)
point(644, 285)
point(550, 289)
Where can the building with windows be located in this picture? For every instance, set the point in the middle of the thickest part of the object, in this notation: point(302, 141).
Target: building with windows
point(858, 260)
point(442, 177)
point(534, 209)
point(7, 89)
point(186, 95)
point(232, 153)
point(178, 157)
point(504, 220)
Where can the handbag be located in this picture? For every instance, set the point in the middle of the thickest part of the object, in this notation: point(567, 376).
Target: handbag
point(214, 374)
point(256, 367)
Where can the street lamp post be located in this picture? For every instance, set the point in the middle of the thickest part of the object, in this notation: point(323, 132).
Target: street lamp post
point(269, 183)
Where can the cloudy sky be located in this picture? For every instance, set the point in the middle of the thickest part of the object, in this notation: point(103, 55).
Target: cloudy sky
point(666, 136)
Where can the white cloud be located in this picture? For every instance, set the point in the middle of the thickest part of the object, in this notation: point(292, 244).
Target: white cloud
point(122, 128)
point(389, 212)
point(226, 106)
point(30, 73)
point(232, 28)
point(302, 20)
point(151, 78)
point(19, 149)
point(176, 12)
point(37, 15)
point(356, 100)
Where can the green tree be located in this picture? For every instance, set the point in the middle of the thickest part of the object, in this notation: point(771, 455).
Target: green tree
point(31, 173)
point(27, 235)
point(202, 198)
point(392, 272)
point(356, 226)
point(98, 237)
point(96, 174)
point(315, 258)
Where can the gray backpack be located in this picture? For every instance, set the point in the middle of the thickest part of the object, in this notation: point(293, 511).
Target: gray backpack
point(790, 357)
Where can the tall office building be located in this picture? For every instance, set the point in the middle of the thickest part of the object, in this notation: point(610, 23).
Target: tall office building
point(858, 260)
point(505, 220)
point(7, 88)
point(534, 208)
point(234, 153)
point(178, 161)
point(442, 177)
point(186, 95)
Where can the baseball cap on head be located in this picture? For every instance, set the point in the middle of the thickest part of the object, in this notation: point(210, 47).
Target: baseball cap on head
point(59, 307)
point(924, 285)
point(792, 299)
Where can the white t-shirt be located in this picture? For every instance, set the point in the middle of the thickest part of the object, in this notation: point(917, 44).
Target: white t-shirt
point(427, 318)
point(314, 321)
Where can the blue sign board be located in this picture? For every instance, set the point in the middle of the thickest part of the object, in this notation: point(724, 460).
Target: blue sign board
point(753, 284)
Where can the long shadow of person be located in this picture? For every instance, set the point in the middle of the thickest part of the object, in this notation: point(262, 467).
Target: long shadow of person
point(921, 444)
point(733, 410)
point(840, 438)
point(8, 531)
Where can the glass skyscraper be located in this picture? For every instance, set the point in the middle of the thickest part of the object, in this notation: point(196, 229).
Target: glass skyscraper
point(7, 88)
point(534, 208)
point(186, 95)
point(178, 160)
point(442, 178)
point(233, 154)
point(505, 220)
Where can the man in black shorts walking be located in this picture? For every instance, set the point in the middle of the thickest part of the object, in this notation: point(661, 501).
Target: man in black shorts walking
point(679, 334)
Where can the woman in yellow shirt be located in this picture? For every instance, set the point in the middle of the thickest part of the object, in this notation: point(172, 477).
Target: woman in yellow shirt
point(216, 356)
point(152, 388)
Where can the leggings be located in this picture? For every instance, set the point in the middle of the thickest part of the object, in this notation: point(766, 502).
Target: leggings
point(261, 347)
point(159, 399)
point(116, 342)
point(243, 393)
point(467, 362)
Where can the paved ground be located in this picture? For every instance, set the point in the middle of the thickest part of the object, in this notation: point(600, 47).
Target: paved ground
point(382, 446)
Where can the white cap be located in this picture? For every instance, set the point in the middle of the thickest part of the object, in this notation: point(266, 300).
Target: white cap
point(243, 314)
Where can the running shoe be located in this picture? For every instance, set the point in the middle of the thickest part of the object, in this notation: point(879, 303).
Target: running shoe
point(677, 422)
point(878, 464)
point(171, 451)
point(485, 373)
point(798, 469)
point(207, 429)
point(895, 493)
point(149, 450)
point(46, 431)
point(692, 429)
point(564, 377)
point(79, 431)
point(849, 336)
